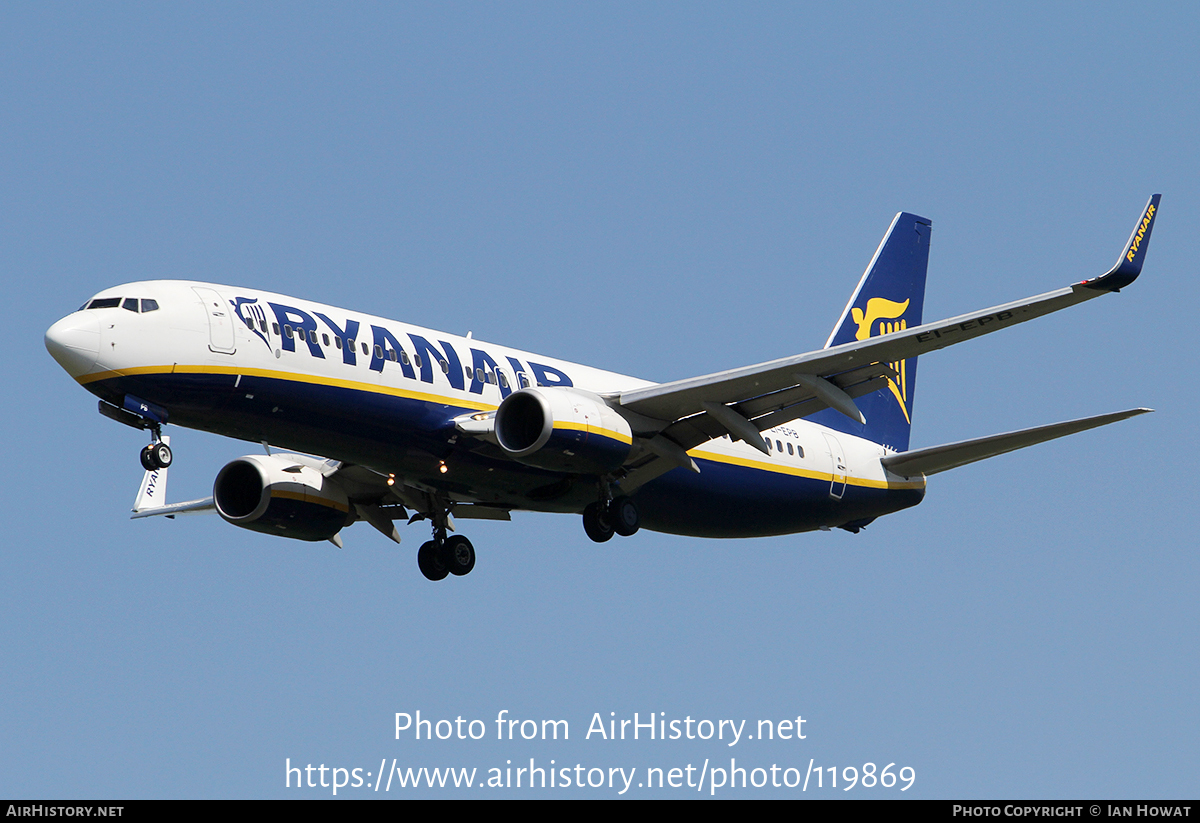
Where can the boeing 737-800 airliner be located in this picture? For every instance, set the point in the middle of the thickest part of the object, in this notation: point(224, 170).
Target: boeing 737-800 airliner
point(413, 424)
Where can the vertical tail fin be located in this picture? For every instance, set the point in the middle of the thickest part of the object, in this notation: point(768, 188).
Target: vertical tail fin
point(890, 297)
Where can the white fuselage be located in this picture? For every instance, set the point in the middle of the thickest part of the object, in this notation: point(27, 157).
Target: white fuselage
point(315, 378)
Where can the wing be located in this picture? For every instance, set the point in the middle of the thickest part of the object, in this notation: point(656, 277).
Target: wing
point(742, 402)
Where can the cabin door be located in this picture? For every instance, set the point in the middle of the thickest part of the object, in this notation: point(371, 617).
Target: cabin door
point(837, 467)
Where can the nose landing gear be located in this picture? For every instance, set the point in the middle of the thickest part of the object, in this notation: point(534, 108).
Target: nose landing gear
point(142, 414)
point(156, 456)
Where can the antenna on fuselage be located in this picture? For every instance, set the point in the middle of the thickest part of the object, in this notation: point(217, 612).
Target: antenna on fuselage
point(266, 447)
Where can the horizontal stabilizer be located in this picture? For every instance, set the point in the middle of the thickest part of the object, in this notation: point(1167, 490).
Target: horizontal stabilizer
point(952, 455)
point(172, 509)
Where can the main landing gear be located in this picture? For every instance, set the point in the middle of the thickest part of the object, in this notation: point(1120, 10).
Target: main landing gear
point(444, 555)
point(604, 518)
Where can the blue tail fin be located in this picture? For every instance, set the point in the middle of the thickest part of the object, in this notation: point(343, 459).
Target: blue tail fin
point(889, 297)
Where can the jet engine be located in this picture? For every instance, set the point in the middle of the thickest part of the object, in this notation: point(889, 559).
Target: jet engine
point(280, 494)
point(562, 429)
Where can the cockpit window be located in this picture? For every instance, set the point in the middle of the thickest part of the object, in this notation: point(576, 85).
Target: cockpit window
point(128, 303)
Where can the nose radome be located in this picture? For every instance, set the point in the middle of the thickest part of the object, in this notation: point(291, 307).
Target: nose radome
point(74, 342)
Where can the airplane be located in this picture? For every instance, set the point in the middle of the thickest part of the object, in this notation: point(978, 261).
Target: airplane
point(414, 425)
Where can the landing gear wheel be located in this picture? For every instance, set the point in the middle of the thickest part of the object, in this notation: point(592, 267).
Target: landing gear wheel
point(623, 515)
point(597, 523)
point(162, 454)
point(429, 563)
point(459, 555)
point(156, 456)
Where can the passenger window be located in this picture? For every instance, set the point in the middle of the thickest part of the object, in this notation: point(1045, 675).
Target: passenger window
point(404, 357)
point(378, 351)
point(262, 324)
point(503, 380)
point(325, 339)
point(491, 377)
point(364, 348)
point(479, 375)
point(522, 380)
point(130, 304)
point(287, 330)
point(275, 328)
point(768, 442)
point(337, 341)
point(392, 355)
point(799, 451)
point(789, 448)
point(467, 369)
point(778, 445)
point(445, 366)
point(417, 359)
point(312, 336)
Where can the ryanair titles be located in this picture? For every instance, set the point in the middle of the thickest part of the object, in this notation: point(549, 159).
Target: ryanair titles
point(417, 357)
point(1147, 219)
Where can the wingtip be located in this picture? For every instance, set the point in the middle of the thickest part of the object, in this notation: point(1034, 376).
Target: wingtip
point(1129, 265)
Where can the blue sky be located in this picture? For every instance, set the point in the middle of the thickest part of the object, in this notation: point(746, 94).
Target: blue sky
point(660, 190)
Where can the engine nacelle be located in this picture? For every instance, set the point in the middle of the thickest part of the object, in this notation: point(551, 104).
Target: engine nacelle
point(280, 494)
point(562, 429)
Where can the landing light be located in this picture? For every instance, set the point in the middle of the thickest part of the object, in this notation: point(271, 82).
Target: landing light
point(442, 466)
point(391, 481)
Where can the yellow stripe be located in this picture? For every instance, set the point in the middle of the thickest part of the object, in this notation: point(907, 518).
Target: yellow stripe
point(571, 425)
point(336, 382)
point(293, 377)
point(308, 498)
point(474, 404)
point(799, 472)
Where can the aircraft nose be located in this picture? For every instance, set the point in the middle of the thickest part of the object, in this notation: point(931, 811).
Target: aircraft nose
point(74, 342)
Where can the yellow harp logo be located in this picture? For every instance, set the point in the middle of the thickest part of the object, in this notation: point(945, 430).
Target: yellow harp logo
point(888, 315)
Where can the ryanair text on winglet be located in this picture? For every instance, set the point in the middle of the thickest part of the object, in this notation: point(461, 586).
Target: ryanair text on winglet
point(1141, 232)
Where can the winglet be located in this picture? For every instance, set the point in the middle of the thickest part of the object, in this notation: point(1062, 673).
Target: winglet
point(1129, 266)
